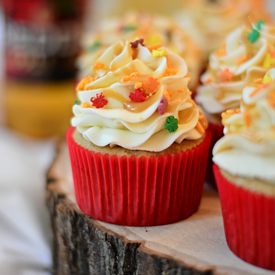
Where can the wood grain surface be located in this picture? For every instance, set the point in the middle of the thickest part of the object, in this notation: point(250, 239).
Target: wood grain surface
point(82, 245)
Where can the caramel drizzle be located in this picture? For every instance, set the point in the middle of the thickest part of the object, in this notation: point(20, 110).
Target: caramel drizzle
point(131, 106)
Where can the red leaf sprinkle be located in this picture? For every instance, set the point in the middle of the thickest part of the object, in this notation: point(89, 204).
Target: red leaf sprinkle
point(98, 101)
point(138, 96)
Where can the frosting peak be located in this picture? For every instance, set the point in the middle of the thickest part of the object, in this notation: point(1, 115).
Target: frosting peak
point(137, 98)
point(250, 132)
point(245, 55)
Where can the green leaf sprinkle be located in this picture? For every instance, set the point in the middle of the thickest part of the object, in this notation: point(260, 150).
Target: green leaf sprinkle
point(172, 124)
point(75, 102)
point(259, 24)
point(129, 28)
point(254, 34)
point(94, 46)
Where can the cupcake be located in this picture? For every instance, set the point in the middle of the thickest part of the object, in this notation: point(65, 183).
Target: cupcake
point(245, 174)
point(209, 22)
point(154, 29)
point(245, 56)
point(140, 146)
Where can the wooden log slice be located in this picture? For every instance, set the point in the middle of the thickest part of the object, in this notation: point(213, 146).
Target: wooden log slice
point(83, 245)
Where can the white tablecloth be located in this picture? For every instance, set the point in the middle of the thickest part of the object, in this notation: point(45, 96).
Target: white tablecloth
point(24, 220)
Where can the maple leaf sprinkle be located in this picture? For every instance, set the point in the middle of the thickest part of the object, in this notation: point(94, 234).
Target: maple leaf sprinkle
point(138, 41)
point(137, 96)
point(151, 84)
point(225, 75)
point(99, 101)
point(172, 124)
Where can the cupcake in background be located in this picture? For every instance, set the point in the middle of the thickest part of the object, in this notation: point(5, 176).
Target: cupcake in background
point(140, 147)
point(153, 29)
point(245, 56)
point(209, 22)
point(245, 174)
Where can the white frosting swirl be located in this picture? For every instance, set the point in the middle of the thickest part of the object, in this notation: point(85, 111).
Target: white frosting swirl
point(209, 22)
point(243, 59)
point(137, 125)
point(153, 29)
point(248, 147)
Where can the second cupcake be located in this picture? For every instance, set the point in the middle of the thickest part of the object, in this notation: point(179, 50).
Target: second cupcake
point(245, 174)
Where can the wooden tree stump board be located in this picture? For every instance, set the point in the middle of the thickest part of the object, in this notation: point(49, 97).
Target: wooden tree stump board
point(83, 245)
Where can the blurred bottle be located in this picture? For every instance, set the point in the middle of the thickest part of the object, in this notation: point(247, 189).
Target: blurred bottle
point(42, 41)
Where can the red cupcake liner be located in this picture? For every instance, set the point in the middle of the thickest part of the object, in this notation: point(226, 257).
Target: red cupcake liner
point(217, 133)
point(249, 223)
point(138, 191)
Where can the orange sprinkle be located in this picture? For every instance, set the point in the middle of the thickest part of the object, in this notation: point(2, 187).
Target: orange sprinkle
point(180, 91)
point(138, 85)
point(170, 93)
point(166, 94)
point(151, 84)
point(207, 81)
point(238, 111)
point(134, 74)
point(223, 114)
point(258, 80)
point(225, 75)
point(125, 78)
point(84, 82)
point(201, 117)
point(188, 74)
point(221, 52)
point(86, 105)
point(98, 66)
point(199, 128)
point(272, 54)
point(256, 91)
point(241, 60)
point(170, 71)
point(230, 112)
point(271, 98)
point(247, 119)
point(154, 47)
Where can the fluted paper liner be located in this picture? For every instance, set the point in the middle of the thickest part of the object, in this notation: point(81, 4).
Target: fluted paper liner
point(138, 191)
point(217, 133)
point(249, 223)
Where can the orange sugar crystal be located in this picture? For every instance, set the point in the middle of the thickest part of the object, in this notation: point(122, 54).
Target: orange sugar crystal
point(125, 78)
point(154, 47)
point(247, 119)
point(98, 66)
point(199, 128)
point(84, 82)
point(258, 80)
point(241, 60)
point(134, 74)
point(207, 81)
point(221, 52)
point(86, 105)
